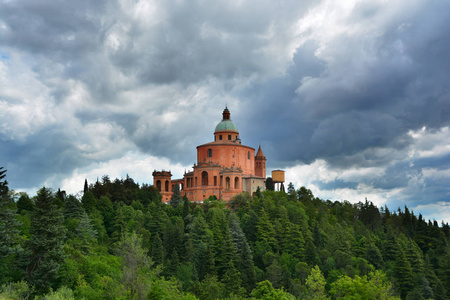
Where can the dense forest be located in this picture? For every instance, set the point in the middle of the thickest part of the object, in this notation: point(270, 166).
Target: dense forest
point(118, 241)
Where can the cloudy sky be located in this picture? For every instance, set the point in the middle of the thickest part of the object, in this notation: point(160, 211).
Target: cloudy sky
point(351, 98)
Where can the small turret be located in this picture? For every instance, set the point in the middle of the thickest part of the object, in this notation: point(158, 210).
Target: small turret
point(226, 114)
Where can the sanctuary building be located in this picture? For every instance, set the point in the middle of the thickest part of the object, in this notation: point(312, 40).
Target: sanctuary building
point(224, 168)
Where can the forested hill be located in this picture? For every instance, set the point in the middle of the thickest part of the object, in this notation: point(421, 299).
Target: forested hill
point(120, 242)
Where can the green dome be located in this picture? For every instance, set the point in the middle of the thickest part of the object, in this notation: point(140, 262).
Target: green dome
point(226, 125)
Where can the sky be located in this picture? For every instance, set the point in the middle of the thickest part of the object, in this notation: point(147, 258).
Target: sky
point(350, 98)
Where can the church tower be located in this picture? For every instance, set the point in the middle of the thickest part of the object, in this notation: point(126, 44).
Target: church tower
point(260, 163)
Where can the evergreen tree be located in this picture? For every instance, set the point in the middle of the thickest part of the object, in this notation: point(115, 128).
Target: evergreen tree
point(390, 247)
point(157, 252)
point(46, 243)
point(175, 199)
point(106, 209)
point(136, 266)
point(89, 202)
point(9, 233)
point(24, 203)
point(403, 273)
point(232, 281)
point(269, 184)
point(85, 231)
point(73, 208)
point(373, 256)
point(244, 259)
point(311, 256)
point(86, 188)
point(266, 231)
point(186, 208)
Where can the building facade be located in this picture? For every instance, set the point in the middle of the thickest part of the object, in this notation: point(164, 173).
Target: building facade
point(224, 168)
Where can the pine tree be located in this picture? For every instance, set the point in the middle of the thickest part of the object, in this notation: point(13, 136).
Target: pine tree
point(46, 243)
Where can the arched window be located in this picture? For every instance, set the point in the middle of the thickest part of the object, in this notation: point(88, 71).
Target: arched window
point(209, 152)
point(167, 186)
point(227, 183)
point(204, 178)
point(158, 185)
point(236, 182)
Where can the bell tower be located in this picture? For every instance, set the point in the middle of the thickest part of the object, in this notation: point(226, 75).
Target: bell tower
point(260, 163)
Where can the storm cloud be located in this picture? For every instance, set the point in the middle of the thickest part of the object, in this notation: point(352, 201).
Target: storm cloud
point(352, 98)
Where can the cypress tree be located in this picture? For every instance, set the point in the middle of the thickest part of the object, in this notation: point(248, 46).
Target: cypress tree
point(186, 208)
point(86, 188)
point(46, 243)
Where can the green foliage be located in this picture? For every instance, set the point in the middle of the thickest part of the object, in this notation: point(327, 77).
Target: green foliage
point(136, 271)
point(375, 286)
point(266, 291)
point(175, 199)
point(10, 239)
point(63, 293)
point(89, 202)
point(16, 290)
point(167, 290)
point(46, 243)
point(315, 284)
point(269, 184)
point(123, 243)
point(24, 204)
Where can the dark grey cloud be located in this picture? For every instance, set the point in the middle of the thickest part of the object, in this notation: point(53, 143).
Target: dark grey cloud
point(365, 88)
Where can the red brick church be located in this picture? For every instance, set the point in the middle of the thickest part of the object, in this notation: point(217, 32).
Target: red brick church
point(224, 168)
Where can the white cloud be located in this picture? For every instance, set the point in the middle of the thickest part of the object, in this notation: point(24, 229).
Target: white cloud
point(434, 211)
point(137, 165)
